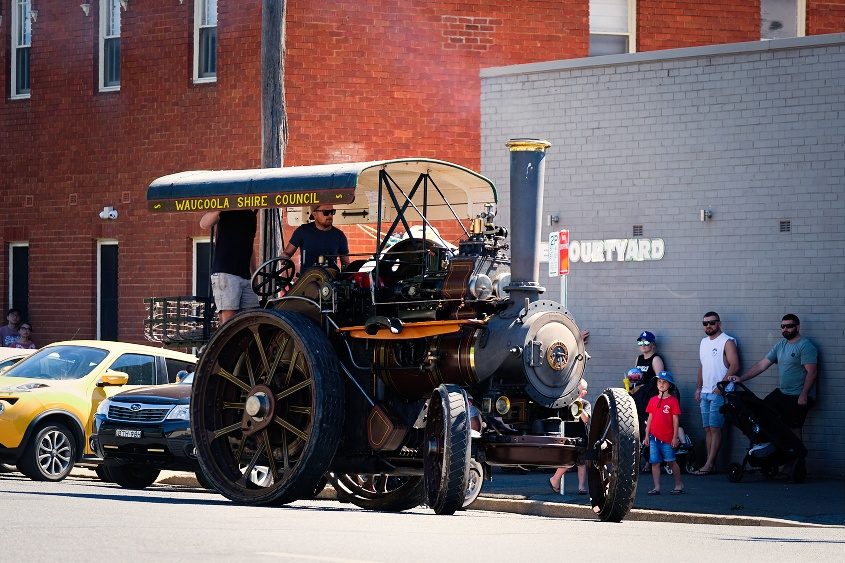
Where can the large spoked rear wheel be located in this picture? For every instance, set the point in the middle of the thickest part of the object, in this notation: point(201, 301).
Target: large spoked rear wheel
point(379, 492)
point(615, 439)
point(447, 449)
point(267, 396)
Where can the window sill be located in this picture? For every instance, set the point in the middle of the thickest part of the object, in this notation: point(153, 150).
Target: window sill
point(110, 89)
point(20, 97)
point(210, 80)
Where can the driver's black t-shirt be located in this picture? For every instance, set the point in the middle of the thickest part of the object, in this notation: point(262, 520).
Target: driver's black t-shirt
point(313, 243)
point(233, 242)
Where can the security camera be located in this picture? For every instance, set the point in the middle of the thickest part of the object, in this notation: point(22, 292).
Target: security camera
point(113, 214)
point(108, 213)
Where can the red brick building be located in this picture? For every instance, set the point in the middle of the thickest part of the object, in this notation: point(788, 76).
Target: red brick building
point(105, 96)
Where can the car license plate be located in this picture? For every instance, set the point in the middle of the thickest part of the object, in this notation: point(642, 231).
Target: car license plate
point(120, 433)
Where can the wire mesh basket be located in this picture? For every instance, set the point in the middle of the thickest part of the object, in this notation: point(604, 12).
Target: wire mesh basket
point(187, 320)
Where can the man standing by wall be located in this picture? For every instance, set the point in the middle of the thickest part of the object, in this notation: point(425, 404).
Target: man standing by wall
point(233, 263)
point(719, 361)
point(797, 360)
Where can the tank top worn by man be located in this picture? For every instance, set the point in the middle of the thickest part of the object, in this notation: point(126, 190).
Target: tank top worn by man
point(313, 243)
point(234, 240)
point(712, 356)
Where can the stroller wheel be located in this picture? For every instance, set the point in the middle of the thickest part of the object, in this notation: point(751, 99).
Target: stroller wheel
point(799, 470)
point(735, 473)
point(689, 465)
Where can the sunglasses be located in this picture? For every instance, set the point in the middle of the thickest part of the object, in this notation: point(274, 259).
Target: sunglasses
point(709, 323)
point(788, 326)
point(328, 212)
point(643, 343)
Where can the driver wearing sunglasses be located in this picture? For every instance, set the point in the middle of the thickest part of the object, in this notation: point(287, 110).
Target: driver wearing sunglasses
point(319, 238)
point(797, 360)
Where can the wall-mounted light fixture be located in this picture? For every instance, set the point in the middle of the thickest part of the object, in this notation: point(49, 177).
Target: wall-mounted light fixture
point(86, 8)
point(33, 15)
point(108, 213)
point(124, 4)
point(705, 214)
point(552, 219)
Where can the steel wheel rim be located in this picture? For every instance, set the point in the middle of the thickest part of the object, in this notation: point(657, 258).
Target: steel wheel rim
point(264, 389)
point(54, 453)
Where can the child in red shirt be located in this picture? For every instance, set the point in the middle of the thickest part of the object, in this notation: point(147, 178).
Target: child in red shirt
point(661, 431)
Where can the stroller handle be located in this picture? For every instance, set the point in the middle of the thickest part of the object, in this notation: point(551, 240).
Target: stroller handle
point(723, 386)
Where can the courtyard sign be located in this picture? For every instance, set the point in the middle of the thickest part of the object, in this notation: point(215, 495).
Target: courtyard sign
point(616, 250)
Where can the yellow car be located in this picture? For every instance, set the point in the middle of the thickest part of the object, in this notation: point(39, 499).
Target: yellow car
point(48, 400)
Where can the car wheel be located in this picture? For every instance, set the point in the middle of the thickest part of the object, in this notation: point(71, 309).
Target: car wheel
point(50, 455)
point(103, 473)
point(133, 476)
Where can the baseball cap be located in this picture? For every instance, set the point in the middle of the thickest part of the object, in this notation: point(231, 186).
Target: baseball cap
point(666, 376)
point(647, 336)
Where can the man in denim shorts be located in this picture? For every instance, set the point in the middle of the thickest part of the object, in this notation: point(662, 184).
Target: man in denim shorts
point(719, 362)
point(231, 268)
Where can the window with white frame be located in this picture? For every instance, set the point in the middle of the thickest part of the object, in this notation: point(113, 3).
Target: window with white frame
point(612, 27)
point(21, 40)
point(780, 19)
point(109, 45)
point(205, 40)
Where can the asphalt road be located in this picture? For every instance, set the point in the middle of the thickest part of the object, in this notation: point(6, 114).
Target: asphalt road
point(83, 519)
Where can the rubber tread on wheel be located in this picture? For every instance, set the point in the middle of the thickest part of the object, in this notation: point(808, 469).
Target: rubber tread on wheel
point(446, 470)
point(612, 478)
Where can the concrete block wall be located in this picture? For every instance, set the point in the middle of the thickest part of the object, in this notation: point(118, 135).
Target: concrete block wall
point(753, 132)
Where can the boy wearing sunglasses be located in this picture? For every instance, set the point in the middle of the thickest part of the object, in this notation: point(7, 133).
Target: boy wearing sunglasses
point(319, 237)
point(797, 360)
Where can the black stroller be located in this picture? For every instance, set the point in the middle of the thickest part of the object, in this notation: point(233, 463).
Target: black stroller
point(772, 443)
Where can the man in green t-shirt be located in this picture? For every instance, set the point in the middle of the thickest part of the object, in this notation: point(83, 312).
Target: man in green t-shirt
point(797, 360)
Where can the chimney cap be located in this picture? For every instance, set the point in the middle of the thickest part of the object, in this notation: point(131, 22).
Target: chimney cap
point(528, 145)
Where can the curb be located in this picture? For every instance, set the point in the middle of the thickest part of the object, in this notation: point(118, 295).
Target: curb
point(512, 505)
point(516, 505)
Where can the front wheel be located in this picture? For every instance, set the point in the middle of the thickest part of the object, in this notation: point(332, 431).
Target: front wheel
point(50, 455)
point(612, 466)
point(133, 476)
point(447, 449)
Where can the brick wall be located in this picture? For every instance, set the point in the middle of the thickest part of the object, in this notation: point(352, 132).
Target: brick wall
point(825, 16)
point(364, 81)
point(752, 132)
point(670, 24)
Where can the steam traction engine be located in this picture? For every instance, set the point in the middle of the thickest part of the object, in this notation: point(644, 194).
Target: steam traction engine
point(403, 375)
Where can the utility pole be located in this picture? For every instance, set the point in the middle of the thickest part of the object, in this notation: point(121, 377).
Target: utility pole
point(274, 119)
